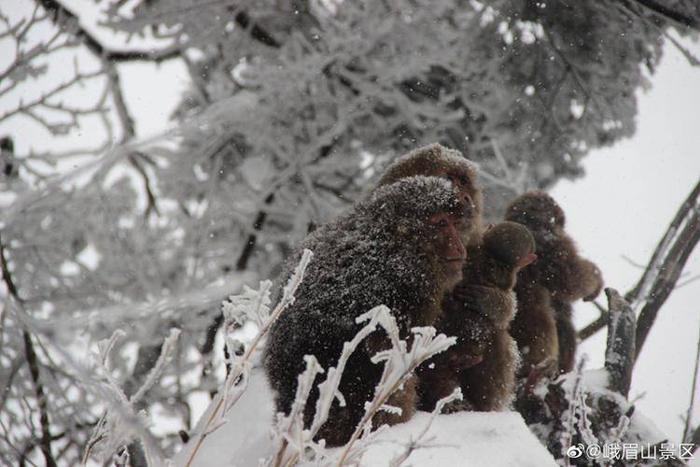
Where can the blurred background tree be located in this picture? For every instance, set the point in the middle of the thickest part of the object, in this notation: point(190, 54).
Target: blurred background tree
point(293, 107)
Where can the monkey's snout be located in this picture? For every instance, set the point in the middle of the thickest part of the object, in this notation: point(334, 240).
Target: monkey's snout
point(458, 253)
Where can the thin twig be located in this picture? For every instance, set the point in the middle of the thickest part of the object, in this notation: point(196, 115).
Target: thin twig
point(69, 21)
point(599, 323)
point(693, 389)
point(33, 362)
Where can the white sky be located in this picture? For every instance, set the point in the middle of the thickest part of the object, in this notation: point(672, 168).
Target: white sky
point(621, 207)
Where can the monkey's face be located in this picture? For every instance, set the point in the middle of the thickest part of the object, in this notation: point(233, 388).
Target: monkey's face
point(437, 161)
point(448, 247)
point(467, 192)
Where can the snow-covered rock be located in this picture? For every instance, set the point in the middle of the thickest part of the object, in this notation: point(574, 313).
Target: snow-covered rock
point(468, 438)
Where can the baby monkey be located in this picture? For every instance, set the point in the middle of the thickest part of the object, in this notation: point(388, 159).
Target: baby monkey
point(478, 312)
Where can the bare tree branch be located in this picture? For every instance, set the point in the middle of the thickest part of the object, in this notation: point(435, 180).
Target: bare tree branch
point(695, 439)
point(619, 351)
point(666, 13)
point(596, 325)
point(693, 392)
point(653, 266)
point(115, 88)
point(256, 31)
point(33, 362)
point(669, 272)
point(69, 21)
point(663, 269)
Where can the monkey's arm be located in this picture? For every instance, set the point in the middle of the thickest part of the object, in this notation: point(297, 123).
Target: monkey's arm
point(439, 376)
point(591, 280)
point(495, 304)
point(534, 327)
point(569, 276)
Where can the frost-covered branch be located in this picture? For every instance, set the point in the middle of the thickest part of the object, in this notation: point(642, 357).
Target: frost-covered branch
point(120, 424)
point(254, 305)
point(50, 110)
point(292, 439)
point(575, 419)
point(294, 442)
point(420, 441)
point(399, 365)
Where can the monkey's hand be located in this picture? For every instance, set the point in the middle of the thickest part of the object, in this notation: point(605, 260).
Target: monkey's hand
point(595, 280)
point(547, 368)
point(459, 361)
point(458, 406)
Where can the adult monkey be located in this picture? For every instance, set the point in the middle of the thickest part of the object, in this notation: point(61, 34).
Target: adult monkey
point(439, 161)
point(481, 328)
point(543, 326)
point(476, 299)
point(399, 247)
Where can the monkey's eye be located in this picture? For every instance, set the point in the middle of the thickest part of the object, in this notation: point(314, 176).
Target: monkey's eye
point(442, 223)
point(445, 176)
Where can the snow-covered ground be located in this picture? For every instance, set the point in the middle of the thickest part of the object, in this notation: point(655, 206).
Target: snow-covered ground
point(247, 435)
point(469, 438)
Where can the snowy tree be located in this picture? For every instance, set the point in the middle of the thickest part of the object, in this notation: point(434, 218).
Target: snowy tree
point(292, 109)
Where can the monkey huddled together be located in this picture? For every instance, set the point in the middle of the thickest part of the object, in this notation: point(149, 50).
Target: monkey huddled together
point(416, 244)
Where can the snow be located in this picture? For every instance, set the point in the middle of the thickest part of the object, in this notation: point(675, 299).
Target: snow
point(469, 438)
point(491, 439)
point(244, 438)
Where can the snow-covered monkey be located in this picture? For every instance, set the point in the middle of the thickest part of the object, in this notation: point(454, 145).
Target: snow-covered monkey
point(439, 161)
point(479, 311)
point(400, 247)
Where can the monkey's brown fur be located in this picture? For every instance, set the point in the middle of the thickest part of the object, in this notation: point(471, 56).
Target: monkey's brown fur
point(383, 251)
point(543, 325)
point(479, 312)
point(437, 160)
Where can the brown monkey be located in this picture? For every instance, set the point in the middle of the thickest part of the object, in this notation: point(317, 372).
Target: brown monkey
point(439, 161)
point(479, 312)
point(400, 247)
point(543, 325)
